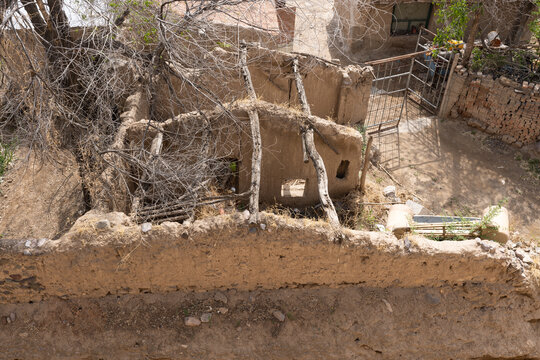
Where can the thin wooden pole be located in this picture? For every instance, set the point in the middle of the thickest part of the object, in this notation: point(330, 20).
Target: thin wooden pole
point(367, 155)
point(311, 151)
point(256, 156)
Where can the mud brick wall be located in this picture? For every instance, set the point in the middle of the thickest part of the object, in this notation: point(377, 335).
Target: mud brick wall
point(497, 106)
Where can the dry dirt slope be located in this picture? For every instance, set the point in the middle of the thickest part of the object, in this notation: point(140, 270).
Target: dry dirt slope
point(40, 196)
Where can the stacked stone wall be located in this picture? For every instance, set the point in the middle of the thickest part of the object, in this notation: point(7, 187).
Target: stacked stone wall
point(497, 106)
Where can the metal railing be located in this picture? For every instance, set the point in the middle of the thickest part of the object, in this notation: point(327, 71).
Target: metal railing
point(421, 76)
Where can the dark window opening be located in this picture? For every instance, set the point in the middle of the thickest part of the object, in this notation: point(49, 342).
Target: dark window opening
point(407, 18)
point(342, 169)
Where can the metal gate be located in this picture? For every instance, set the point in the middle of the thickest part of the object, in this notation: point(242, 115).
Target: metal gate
point(420, 76)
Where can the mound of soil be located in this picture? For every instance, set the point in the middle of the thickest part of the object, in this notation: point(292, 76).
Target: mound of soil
point(40, 196)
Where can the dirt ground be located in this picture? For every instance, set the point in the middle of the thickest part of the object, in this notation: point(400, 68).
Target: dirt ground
point(453, 322)
point(455, 169)
point(40, 197)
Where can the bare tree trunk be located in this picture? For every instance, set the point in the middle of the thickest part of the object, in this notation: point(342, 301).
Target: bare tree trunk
point(366, 164)
point(309, 143)
point(472, 35)
point(256, 156)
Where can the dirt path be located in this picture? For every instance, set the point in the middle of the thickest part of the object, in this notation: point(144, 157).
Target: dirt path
point(457, 169)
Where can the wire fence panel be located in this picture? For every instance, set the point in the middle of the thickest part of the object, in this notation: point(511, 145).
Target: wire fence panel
point(388, 94)
point(421, 76)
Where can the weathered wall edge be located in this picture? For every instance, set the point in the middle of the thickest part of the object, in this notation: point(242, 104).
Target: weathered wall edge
point(222, 252)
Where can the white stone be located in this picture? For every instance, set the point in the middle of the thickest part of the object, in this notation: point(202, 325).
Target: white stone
point(192, 321)
point(223, 310)
point(245, 214)
point(263, 226)
point(524, 256)
point(146, 227)
point(41, 242)
point(389, 191)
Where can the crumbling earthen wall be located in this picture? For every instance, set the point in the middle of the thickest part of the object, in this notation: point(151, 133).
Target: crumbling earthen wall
point(498, 106)
point(116, 257)
point(333, 92)
point(110, 190)
point(282, 157)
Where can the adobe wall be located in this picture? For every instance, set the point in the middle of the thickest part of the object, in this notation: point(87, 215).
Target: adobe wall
point(497, 106)
point(223, 252)
point(334, 92)
point(282, 157)
point(366, 34)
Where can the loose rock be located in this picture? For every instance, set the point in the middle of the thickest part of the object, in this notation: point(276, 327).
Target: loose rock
point(221, 297)
point(415, 207)
point(192, 321)
point(524, 256)
point(279, 315)
point(223, 310)
point(103, 224)
point(12, 317)
point(389, 191)
point(206, 317)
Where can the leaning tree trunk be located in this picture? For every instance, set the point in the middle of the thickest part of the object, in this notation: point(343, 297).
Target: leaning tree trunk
point(256, 157)
point(308, 143)
point(472, 35)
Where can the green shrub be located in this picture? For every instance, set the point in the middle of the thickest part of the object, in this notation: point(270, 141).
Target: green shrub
point(7, 153)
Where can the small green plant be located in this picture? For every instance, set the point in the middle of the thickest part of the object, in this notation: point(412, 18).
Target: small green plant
point(363, 130)
point(367, 219)
point(477, 62)
point(7, 153)
point(534, 166)
point(485, 223)
point(223, 45)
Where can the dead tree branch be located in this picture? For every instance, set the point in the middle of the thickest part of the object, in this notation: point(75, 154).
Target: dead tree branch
point(256, 156)
point(311, 150)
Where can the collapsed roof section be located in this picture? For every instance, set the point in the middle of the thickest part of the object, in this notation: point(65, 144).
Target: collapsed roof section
point(285, 177)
